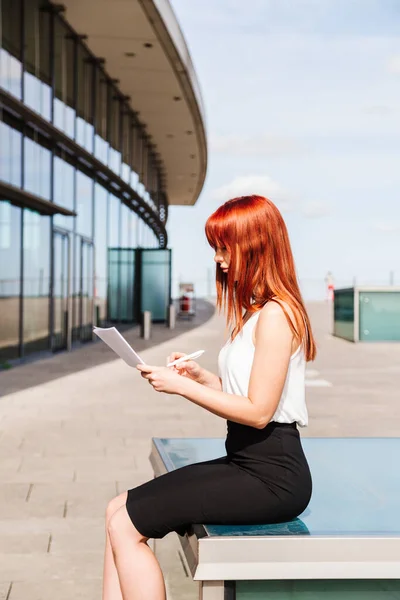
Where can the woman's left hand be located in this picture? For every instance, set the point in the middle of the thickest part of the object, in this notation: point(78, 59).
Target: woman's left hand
point(163, 379)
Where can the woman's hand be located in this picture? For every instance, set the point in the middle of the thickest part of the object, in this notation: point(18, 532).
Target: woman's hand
point(187, 368)
point(163, 379)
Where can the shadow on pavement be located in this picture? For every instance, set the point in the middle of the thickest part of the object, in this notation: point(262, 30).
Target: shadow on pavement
point(40, 369)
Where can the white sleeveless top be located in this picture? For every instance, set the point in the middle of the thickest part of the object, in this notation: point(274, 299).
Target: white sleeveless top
point(235, 361)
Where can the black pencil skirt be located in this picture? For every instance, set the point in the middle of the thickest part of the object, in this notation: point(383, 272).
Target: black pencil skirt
point(264, 478)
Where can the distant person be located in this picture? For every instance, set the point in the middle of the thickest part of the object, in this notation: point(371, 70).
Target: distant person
point(264, 476)
point(330, 286)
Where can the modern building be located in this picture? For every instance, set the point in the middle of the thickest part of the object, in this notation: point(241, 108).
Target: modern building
point(101, 129)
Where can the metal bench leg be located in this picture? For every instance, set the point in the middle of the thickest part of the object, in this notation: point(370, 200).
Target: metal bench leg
point(211, 590)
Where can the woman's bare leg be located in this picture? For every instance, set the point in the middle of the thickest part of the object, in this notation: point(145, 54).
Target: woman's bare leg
point(139, 573)
point(111, 587)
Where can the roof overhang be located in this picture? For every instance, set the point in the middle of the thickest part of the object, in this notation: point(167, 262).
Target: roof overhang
point(159, 78)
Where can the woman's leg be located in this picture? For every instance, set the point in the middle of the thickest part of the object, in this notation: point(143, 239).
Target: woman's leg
point(139, 573)
point(111, 587)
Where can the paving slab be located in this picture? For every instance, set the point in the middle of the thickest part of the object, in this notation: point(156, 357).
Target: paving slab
point(5, 590)
point(60, 590)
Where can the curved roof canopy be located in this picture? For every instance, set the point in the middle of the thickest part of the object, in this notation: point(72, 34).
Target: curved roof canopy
point(144, 49)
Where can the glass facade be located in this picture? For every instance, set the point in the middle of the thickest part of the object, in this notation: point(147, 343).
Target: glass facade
point(78, 149)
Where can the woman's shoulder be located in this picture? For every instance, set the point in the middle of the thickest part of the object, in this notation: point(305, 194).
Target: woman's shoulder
point(275, 310)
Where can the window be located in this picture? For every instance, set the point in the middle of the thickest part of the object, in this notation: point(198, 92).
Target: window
point(102, 100)
point(10, 274)
point(84, 109)
point(10, 155)
point(100, 244)
point(64, 72)
point(84, 205)
point(10, 47)
point(37, 165)
point(63, 193)
point(114, 222)
point(37, 79)
point(127, 128)
point(136, 150)
point(36, 251)
point(114, 160)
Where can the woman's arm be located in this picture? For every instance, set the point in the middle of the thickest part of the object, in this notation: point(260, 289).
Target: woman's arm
point(192, 370)
point(267, 379)
point(210, 380)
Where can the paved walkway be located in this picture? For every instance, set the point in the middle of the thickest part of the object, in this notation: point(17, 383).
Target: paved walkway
point(39, 369)
point(70, 444)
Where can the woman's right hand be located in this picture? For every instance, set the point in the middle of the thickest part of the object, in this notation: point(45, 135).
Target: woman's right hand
point(187, 368)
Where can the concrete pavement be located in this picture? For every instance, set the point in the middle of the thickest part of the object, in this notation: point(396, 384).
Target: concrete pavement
point(68, 445)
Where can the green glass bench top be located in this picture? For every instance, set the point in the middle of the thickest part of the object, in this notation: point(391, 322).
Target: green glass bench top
point(356, 485)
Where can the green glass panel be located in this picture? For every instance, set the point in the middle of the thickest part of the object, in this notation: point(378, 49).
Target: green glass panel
point(126, 283)
point(113, 268)
point(156, 276)
point(343, 589)
point(344, 314)
point(121, 280)
point(380, 316)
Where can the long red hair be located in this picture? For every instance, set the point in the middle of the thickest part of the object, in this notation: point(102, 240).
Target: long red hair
point(252, 229)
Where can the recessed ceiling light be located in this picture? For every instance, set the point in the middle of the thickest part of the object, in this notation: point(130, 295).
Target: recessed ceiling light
point(148, 45)
point(130, 54)
point(177, 98)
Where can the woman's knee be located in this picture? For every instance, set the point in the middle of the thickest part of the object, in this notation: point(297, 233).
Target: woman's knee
point(120, 526)
point(114, 505)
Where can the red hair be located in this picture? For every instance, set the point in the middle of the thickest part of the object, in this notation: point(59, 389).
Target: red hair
point(252, 229)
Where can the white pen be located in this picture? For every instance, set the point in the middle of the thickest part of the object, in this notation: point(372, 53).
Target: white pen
point(186, 357)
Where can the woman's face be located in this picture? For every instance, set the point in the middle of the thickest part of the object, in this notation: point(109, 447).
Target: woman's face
point(222, 257)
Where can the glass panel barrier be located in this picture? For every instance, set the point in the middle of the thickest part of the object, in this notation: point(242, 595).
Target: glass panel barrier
point(155, 282)
point(344, 314)
point(379, 316)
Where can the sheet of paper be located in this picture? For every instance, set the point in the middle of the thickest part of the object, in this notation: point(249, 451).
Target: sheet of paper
point(118, 343)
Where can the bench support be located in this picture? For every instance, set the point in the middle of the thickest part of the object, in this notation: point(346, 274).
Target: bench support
point(211, 590)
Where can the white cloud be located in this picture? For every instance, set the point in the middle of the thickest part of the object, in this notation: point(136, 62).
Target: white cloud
point(393, 65)
point(315, 210)
point(260, 145)
point(387, 227)
point(261, 185)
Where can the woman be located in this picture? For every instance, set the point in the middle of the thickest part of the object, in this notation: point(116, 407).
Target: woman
point(264, 476)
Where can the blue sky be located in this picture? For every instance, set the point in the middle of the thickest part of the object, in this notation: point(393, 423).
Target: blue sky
point(302, 102)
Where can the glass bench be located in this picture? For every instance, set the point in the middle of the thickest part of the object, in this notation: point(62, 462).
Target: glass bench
point(346, 544)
